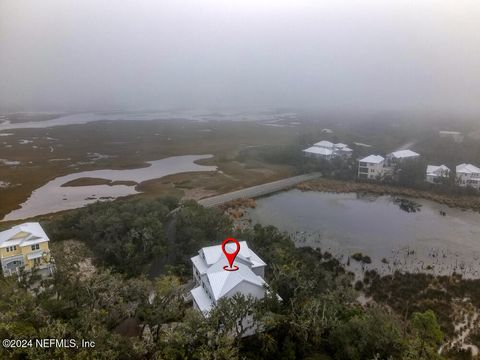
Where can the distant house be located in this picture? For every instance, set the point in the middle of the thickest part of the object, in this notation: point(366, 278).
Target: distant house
point(468, 175)
point(455, 135)
point(342, 150)
point(399, 156)
point(371, 167)
point(318, 153)
point(214, 283)
point(25, 247)
point(435, 174)
point(328, 150)
point(325, 144)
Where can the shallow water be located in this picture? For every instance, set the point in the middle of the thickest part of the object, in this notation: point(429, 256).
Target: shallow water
point(53, 197)
point(344, 224)
point(84, 118)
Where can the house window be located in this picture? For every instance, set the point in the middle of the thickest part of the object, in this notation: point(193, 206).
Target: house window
point(36, 247)
point(36, 261)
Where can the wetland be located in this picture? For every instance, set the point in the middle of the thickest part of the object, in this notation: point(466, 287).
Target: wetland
point(434, 239)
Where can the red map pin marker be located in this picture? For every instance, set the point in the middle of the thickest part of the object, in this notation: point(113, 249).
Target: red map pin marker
point(230, 256)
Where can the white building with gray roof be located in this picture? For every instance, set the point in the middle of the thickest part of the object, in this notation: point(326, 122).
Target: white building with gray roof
point(468, 175)
point(327, 150)
point(371, 167)
point(437, 173)
point(400, 156)
point(213, 282)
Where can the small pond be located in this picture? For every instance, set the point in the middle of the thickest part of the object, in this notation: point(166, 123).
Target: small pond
point(435, 239)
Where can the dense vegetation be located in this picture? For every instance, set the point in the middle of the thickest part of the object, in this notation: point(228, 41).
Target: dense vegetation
point(408, 293)
point(131, 316)
point(123, 235)
point(128, 235)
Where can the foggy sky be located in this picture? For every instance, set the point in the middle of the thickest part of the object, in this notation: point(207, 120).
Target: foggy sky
point(351, 55)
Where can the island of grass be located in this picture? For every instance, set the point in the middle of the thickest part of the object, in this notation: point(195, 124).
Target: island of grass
point(88, 181)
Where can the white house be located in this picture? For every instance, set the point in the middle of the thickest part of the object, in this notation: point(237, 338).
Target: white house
point(400, 156)
point(325, 144)
point(371, 167)
point(468, 175)
point(435, 174)
point(318, 153)
point(342, 150)
point(327, 150)
point(213, 282)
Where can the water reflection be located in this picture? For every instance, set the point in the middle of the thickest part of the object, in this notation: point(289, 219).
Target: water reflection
point(437, 239)
point(53, 197)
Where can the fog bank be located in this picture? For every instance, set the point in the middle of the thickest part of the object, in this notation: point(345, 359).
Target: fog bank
point(371, 55)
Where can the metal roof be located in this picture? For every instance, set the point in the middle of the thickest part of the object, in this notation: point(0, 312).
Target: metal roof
point(436, 170)
point(373, 159)
point(211, 262)
point(402, 154)
point(199, 264)
point(23, 235)
point(211, 254)
point(324, 144)
point(202, 299)
point(318, 150)
point(221, 281)
point(467, 169)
